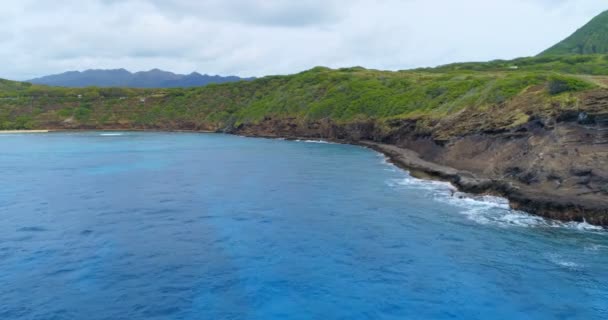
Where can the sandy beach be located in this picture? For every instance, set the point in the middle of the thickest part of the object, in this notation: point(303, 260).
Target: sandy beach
point(23, 131)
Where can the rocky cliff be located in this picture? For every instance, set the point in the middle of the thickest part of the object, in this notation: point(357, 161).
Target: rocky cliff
point(556, 167)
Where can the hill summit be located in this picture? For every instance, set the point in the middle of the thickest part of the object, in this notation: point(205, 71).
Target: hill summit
point(592, 38)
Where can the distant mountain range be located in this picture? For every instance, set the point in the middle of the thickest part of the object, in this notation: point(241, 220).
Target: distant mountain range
point(154, 78)
point(592, 38)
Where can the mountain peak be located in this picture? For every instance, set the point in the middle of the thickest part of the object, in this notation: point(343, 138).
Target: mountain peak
point(154, 78)
point(592, 38)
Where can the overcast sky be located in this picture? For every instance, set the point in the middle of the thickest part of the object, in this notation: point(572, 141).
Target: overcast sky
point(261, 37)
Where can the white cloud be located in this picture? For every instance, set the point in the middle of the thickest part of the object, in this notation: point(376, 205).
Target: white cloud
point(260, 37)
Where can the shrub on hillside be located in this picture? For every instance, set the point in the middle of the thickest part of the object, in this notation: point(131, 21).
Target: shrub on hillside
point(557, 85)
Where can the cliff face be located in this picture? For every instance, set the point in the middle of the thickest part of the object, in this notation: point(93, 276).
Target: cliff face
point(556, 167)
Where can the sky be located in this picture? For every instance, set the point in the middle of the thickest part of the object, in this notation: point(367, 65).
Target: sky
point(263, 37)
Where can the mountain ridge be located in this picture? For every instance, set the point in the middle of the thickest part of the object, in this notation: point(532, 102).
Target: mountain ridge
point(154, 78)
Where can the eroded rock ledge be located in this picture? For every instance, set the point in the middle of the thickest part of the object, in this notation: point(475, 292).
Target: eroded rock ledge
point(520, 198)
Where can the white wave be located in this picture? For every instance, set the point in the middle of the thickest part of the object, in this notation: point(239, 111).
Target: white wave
point(485, 209)
point(560, 261)
point(384, 160)
point(490, 210)
point(111, 134)
point(415, 183)
point(315, 141)
point(595, 247)
point(583, 226)
point(568, 264)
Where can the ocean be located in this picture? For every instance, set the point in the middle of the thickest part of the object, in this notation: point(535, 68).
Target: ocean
point(144, 225)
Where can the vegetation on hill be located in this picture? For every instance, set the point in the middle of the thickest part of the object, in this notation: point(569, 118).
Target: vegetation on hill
point(590, 39)
point(570, 64)
point(343, 96)
point(448, 100)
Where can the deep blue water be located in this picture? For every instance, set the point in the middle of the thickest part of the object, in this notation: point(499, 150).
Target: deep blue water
point(206, 226)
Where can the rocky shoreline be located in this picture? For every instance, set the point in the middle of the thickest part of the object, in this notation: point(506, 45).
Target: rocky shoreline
point(465, 181)
point(554, 168)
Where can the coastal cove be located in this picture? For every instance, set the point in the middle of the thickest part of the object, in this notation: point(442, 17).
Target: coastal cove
point(537, 135)
point(465, 181)
point(226, 226)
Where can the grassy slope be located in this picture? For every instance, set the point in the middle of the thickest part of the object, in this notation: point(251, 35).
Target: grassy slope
point(591, 38)
point(346, 95)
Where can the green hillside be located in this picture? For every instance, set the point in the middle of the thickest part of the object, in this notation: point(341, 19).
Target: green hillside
point(590, 39)
point(503, 95)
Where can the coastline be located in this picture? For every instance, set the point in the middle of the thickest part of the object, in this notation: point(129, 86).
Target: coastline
point(101, 130)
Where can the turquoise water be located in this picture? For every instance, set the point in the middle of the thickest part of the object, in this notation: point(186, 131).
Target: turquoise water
point(205, 226)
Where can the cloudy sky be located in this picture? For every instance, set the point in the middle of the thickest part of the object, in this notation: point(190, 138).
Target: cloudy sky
point(261, 37)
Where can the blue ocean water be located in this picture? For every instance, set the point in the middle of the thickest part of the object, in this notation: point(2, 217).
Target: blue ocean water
point(205, 226)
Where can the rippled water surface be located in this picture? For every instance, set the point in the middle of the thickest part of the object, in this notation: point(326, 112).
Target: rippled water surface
point(205, 226)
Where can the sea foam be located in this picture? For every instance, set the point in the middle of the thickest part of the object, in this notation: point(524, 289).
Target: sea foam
point(483, 209)
point(111, 134)
point(315, 141)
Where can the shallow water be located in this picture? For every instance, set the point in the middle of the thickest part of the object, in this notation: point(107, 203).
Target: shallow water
point(207, 226)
